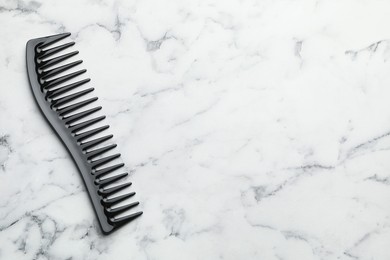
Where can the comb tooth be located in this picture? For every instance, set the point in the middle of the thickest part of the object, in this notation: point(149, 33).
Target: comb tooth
point(80, 126)
point(42, 64)
point(120, 209)
point(92, 132)
point(92, 143)
point(117, 199)
point(104, 160)
point(71, 108)
point(99, 151)
point(111, 179)
point(50, 73)
point(72, 118)
point(62, 90)
point(64, 100)
point(108, 169)
point(57, 81)
point(47, 53)
point(53, 39)
point(111, 190)
point(124, 219)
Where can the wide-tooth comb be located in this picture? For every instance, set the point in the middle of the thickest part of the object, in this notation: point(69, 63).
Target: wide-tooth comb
point(52, 93)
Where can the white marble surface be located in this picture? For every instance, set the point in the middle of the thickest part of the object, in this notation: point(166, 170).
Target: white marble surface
point(253, 130)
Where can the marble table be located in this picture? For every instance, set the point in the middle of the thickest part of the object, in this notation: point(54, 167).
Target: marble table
point(251, 130)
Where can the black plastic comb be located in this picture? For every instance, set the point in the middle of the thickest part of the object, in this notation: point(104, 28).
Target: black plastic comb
point(67, 113)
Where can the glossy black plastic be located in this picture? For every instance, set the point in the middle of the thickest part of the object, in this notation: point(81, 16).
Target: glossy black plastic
point(50, 92)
